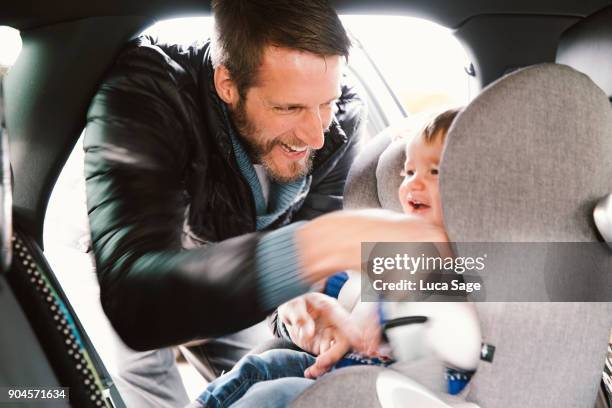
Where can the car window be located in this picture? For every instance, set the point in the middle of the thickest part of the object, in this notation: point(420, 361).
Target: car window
point(422, 62)
point(10, 46)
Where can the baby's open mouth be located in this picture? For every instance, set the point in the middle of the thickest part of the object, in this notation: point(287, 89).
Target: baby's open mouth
point(417, 205)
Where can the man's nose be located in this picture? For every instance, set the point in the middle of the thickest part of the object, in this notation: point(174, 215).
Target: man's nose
point(311, 129)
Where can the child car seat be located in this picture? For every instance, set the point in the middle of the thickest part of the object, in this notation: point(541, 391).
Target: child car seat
point(526, 161)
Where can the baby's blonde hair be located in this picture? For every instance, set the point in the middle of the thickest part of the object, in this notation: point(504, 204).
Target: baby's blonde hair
point(437, 128)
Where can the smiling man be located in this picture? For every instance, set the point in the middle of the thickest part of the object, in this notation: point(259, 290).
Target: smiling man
point(288, 109)
point(199, 161)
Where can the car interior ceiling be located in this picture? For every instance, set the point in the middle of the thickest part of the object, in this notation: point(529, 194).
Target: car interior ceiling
point(499, 37)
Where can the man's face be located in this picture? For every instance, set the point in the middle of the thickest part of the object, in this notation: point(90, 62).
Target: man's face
point(283, 116)
point(419, 193)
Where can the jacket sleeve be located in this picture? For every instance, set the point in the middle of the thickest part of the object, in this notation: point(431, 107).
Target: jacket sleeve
point(154, 292)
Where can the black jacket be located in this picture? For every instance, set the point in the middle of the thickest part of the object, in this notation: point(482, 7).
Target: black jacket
point(158, 158)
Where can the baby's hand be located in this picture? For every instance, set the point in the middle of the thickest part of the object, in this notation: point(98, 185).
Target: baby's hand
point(326, 360)
point(317, 322)
point(365, 317)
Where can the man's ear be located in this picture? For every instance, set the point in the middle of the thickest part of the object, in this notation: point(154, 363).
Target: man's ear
point(225, 86)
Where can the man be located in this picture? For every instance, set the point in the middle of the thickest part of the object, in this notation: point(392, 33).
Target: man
point(200, 160)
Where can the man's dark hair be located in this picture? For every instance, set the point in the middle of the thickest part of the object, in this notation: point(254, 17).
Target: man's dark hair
point(243, 28)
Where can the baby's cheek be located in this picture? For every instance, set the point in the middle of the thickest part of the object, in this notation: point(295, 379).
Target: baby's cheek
point(402, 198)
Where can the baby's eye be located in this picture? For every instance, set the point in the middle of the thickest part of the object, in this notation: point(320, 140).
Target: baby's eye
point(434, 172)
point(405, 173)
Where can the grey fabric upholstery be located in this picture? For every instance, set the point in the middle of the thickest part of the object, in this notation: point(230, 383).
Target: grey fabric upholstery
point(388, 175)
point(361, 188)
point(349, 387)
point(526, 161)
point(587, 47)
point(535, 148)
point(374, 177)
point(357, 386)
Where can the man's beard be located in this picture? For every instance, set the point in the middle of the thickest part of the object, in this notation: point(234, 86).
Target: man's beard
point(259, 152)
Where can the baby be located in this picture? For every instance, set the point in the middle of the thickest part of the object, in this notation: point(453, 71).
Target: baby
point(419, 195)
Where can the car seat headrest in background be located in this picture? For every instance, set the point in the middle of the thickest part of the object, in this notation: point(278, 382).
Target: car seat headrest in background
point(587, 47)
point(361, 188)
point(528, 159)
point(6, 193)
point(390, 165)
point(374, 177)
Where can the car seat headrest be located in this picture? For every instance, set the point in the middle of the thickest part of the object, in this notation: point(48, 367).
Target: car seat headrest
point(388, 179)
point(587, 47)
point(528, 159)
point(361, 187)
point(374, 177)
point(603, 218)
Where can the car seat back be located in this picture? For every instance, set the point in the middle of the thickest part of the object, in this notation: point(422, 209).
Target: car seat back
point(587, 46)
point(527, 161)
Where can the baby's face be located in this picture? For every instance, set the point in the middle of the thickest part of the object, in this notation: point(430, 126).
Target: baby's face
point(419, 193)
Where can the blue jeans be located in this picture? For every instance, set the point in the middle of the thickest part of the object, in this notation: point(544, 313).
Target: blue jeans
point(252, 369)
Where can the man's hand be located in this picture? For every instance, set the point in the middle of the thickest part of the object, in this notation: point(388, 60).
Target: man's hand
point(332, 242)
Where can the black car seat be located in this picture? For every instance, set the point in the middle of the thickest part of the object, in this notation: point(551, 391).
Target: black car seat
point(42, 343)
point(526, 161)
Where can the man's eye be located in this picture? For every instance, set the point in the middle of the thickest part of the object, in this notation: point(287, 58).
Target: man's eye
point(285, 109)
point(434, 172)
